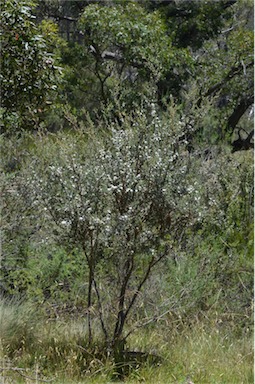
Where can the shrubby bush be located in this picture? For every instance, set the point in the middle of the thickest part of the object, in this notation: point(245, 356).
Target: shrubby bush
point(127, 201)
point(98, 214)
point(108, 198)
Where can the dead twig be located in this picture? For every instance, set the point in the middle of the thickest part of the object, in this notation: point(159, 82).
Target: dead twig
point(20, 372)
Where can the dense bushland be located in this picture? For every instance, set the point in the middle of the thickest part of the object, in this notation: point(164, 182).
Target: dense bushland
point(126, 191)
point(131, 231)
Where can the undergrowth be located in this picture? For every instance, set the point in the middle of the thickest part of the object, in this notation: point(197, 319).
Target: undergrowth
point(36, 348)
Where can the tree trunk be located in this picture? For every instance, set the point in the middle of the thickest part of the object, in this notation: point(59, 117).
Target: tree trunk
point(238, 112)
point(118, 350)
point(89, 302)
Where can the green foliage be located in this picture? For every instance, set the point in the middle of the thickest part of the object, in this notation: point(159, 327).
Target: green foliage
point(192, 23)
point(140, 37)
point(140, 214)
point(229, 77)
point(131, 52)
point(28, 72)
point(109, 205)
point(18, 322)
point(127, 200)
point(60, 278)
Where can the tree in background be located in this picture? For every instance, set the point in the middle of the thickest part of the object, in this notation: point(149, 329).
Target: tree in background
point(191, 23)
point(129, 52)
point(28, 68)
point(228, 80)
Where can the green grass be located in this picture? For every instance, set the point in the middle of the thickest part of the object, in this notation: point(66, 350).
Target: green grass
point(206, 352)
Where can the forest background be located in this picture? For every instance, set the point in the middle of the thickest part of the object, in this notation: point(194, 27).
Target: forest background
point(126, 191)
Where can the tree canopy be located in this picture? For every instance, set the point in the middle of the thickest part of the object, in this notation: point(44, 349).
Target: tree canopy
point(122, 54)
point(28, 70)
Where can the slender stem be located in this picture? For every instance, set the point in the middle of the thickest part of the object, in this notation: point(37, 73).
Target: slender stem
point(101, 311)
point(152, 263)
point(89, 302)
point(121, 314)
point(90, 263)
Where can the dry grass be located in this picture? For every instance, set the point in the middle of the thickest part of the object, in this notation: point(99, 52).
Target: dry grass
point(35, 349)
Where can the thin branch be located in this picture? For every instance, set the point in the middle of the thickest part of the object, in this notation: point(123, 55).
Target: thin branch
point(217, 87)
point(152, 263)
point(151, 320)
point(114, 56)
point(121, 315)
point(20, 370)
point(100, 310)
point(67, 18)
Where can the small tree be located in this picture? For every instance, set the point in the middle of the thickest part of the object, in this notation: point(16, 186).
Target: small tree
point(109, 199)
point(121, 200)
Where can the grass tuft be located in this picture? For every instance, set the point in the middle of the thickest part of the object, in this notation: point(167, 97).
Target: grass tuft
point(58, 350)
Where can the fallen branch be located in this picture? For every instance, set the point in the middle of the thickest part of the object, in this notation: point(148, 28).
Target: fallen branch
point(20, 372)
